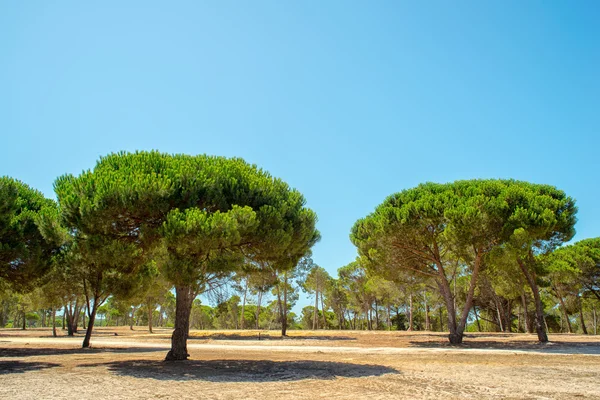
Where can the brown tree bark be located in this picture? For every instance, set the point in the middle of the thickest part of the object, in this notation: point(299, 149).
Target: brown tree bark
point(183, 308)
point(539, 308)
point(242, 319)
point(528, 326)
point(564, 309)
point(410, 313)
point(90, 326)
point(150, 312)
point(323, 309)
point(583, 327)
point(54, 322)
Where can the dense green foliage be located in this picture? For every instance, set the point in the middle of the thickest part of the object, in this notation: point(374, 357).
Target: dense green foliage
point(435, 230)
point(199, 216)
point(25, 254)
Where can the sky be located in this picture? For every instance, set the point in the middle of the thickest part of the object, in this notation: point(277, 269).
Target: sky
point(346, 101)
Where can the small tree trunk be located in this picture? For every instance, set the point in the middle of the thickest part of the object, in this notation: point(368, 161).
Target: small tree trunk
point(316, 310)
point(259, 300)
point(477, 319)
point(583, 327)
point(24, 320)
point(499, 315)
point(150, 312)
point(389, 317)
point(242, 319)
point(183, 308)
point(528, 326)
point(133, 309)
point(323, 309)
point(427, 321)
point(284, 321)
point(54, 322)
point(410, 313)
point(564, 309)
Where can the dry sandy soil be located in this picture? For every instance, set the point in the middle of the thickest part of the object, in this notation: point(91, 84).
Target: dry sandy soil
point(307, 365)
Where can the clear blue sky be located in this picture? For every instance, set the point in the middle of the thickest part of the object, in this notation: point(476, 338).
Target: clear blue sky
point(347, 101)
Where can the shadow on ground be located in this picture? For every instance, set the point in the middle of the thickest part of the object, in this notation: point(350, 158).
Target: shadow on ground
point(49, 351)
point(553, 347)
point(235, 336)
point(19, 367)
point(241, 370)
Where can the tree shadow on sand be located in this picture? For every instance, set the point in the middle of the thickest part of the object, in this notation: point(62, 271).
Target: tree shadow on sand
point(241, 370)
point(19, 367)
point(49, 351)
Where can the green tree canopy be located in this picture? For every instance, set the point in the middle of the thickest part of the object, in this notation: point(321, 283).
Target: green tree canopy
point(207, 213)
point(25, 254)
point(434, 228)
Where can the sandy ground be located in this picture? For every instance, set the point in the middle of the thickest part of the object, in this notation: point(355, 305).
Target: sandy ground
point(308, 365)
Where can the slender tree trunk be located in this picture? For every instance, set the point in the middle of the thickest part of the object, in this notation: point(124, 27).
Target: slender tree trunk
point(528, 326)
point(63, 318)
point(242, 319)
point(260, 293)
point(539, 308)
point(131, 318)
point(24, 320)
point(564, 309)
point(583, 327)
point(499, 314)
point(54, 322)
point(323, 308)
point(595, 322)
point(410, 312)
point(183, 308)
point(426, 311)
point(477, 319)
point(150, 312)
point(316, 310)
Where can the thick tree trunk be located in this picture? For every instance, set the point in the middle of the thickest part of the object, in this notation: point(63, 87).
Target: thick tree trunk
point(539, 308)
point(183, 308)
point(90, 326)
